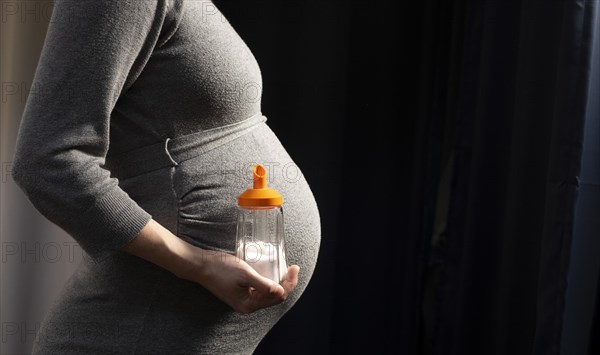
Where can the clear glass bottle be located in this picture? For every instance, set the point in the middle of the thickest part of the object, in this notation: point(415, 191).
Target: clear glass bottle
point(260, 239)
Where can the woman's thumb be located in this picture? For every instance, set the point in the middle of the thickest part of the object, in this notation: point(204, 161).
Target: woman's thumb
point(265, 285)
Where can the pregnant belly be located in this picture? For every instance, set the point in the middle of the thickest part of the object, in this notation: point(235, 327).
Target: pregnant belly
point(197, 200)
point(207, 187)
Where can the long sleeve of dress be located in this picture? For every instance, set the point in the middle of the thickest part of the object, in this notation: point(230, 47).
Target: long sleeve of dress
point(94, 50)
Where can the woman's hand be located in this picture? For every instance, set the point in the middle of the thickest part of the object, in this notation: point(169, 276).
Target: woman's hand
point(236, 283)
point(230, 279)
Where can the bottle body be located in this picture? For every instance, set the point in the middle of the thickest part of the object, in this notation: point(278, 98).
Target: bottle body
point(260, 240)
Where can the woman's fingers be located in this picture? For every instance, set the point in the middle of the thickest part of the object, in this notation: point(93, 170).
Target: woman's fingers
point(265, 286)
point(263, 292)
point(236, 283)
point(291, 279)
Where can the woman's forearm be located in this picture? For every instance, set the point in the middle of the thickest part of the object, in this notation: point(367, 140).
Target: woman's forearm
point(230, 279)
point(158, 245)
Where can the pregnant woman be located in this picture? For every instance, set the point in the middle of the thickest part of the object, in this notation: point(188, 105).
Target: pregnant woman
point(141, 129)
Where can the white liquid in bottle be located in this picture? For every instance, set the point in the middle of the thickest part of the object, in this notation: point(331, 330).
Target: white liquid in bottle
point(264, 258)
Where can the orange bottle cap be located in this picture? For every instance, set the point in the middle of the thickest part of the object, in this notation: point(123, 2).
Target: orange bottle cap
point(260, 195)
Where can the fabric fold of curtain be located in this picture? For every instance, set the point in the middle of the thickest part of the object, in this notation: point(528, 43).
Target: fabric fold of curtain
point(524, 83)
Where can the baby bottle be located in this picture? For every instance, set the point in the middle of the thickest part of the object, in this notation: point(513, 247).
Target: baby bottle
point(260, 235)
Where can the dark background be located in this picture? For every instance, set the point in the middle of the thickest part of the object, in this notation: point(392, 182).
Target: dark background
point(443, 143)
point(341, 85)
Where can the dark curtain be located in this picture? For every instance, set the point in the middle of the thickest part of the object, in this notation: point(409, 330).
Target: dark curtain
point(584, 270)
point(341, 88)
point(443, 142)
point(518, 148)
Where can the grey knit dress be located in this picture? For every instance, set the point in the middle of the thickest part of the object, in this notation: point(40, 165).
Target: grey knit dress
point(147, 109)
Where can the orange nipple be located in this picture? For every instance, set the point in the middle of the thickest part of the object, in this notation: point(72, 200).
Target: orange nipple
point(260, 195)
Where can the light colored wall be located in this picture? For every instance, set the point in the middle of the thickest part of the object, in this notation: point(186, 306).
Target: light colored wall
point(35, 258)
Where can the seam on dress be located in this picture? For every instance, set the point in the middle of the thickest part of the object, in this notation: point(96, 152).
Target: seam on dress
point(223, 141)
point(220, 128)
point(176, 199)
